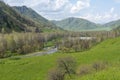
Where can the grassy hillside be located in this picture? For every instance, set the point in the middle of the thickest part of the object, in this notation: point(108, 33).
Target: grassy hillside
point(36, 68)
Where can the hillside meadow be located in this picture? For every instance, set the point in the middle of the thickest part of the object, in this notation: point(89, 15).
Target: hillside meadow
point(37, 68)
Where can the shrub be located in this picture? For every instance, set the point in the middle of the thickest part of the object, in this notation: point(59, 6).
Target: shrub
point(67, 65)
point(55, 74)
point(85, 69)
point(99, 65)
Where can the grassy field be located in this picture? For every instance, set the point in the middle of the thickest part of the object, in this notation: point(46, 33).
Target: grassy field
point(36, 68)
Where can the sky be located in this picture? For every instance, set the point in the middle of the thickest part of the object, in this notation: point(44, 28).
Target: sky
point(98, 11)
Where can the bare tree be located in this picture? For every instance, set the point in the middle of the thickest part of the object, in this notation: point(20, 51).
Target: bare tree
point(66, 65)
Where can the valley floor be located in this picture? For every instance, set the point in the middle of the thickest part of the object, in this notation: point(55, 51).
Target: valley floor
point(36, 68)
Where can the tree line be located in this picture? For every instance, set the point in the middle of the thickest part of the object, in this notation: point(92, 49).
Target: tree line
point(73, 42)
point(23, 43)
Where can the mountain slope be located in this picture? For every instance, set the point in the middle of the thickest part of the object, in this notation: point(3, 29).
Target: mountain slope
point(29, 13)
point(34, 16)
point(112, 24)
point(77, 24)
point(10, 20)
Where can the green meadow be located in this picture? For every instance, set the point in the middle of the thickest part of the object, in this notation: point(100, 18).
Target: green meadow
point(37, 68)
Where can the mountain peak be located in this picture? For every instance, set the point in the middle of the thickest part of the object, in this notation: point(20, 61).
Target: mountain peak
point(34, 16)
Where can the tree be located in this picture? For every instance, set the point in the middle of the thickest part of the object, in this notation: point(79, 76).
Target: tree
point(37, 30)
point(11, 44)
point(67, 65)
point(3, 31)
point(2, 51)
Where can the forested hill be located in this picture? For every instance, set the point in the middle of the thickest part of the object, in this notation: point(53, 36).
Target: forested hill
point(10, 20)
point(37, 18)
point(30, 13)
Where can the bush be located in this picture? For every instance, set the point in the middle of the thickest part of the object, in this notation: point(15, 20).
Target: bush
point(85, 69)
point(99, 65)
point(55, 74)
point(88, 69)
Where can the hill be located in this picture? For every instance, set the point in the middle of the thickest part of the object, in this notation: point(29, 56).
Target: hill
point(112, 24)
point(78, 24)
point(36, 68)
point(35, 17)
point(10, 20)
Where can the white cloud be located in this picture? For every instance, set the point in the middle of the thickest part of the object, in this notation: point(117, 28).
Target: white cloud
point(14, 2)
point(60, 3)
point(100, 18)
point(32, 3)
point(42, 4)
point(112, 10)
point(81, 4)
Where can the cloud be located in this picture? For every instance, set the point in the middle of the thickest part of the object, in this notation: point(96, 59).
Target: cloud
point(101, 18)
point(81, 4)
point(98, 18)
point(112, 10)
point(60, 3)
point(52, 5)
point(14, 2)
point(42, 4)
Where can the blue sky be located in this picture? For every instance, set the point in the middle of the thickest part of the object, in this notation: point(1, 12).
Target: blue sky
point(99, 11)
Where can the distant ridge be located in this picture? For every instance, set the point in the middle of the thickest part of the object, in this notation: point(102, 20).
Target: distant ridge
point(113, 24)
point(77, 24)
